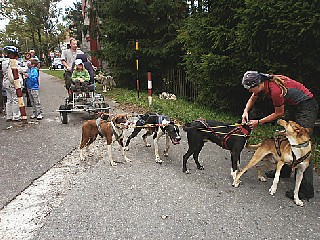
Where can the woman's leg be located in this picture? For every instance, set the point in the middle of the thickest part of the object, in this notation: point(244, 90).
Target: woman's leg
point(305, 114)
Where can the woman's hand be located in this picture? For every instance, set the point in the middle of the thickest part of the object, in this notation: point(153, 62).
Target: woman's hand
point(253, 123)
point(245, 117)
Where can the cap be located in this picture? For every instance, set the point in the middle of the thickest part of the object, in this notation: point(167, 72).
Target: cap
point(253, 78)
point(78, 61)
point(11, 49)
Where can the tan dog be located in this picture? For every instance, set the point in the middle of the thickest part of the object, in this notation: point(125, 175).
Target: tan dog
point(107, 82)
point(112, 130)
point(294, 150)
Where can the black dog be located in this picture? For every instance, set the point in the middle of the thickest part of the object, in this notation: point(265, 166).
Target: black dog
point(230, 137)
point(158, 125)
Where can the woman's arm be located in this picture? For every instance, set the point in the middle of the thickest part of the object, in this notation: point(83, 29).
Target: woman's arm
point(278, 112)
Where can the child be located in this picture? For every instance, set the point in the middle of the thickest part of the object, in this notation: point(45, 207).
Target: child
point(80, 77)
point(32, 82)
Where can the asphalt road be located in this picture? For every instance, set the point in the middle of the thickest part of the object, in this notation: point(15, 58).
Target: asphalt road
point(48, 193)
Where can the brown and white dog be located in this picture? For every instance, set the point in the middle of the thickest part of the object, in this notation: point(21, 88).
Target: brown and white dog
point(295, 150)
point(110, 130)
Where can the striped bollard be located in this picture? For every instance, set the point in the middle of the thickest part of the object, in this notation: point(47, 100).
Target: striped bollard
point(149, 89)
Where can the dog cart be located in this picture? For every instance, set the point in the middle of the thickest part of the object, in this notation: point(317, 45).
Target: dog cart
point(91, 103)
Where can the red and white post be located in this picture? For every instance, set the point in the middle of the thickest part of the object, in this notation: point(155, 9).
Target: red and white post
point(149, 89)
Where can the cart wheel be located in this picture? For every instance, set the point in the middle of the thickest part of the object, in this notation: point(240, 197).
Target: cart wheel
point(105, 105)
point(63, 114)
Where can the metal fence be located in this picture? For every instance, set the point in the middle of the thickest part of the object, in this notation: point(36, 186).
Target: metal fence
point(176, 81)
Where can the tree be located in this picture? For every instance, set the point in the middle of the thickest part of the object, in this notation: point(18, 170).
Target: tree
point(34, 24)
point(208, 39)
point(75, 21)
point(153, 23)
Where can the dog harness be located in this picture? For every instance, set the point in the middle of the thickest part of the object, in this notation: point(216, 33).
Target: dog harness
point(239, 130)
point(278, 141)
point(115, 132)
point(296, 161)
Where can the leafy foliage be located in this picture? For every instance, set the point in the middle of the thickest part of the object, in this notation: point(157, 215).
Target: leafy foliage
point(33, 24)
point(153, 23)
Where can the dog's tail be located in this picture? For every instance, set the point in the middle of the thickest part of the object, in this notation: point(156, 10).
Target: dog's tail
point(253, 147)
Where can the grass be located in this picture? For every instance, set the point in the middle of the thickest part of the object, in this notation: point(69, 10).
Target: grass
point(56, 73)
point(184, 111)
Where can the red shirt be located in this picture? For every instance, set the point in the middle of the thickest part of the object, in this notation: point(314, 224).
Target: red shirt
point(296, 92)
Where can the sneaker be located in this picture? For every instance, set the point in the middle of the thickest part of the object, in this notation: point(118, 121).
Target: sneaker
point(39, 117)
point(33, 116)
point(9, 120)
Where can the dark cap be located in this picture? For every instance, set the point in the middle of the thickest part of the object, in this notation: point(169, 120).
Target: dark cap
point(253, 78)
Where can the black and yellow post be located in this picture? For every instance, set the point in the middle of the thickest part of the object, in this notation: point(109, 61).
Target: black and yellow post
point(137, 68)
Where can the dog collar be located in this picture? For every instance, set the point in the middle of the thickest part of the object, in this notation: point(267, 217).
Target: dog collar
point(301, 145)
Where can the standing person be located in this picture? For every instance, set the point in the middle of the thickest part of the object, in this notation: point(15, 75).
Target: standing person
point(68, 57)
point(33, 55)
point(3, 96)
point(27, 57)
point(32, 82)
point(12, 106)
point(80, 77)
point(291, 98)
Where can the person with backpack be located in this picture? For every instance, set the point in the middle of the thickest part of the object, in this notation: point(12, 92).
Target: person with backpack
point(290, 99)
point(12, 107)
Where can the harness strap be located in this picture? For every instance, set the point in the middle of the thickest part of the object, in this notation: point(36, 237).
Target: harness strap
point(224, 140)
point(98, 122)
point(296, 161)
point(114, 131)
point(277, 142)
point(233, 132)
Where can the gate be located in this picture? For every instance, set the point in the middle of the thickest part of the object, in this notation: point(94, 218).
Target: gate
point(176, 81)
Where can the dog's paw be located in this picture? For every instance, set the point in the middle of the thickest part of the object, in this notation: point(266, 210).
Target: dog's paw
point(262, 178)
point(148, 145)
point(236, 183)
point(187, 171)
point(272, 190)
point(201, 167)
point(113, 164)
point(165, 154)
point(158, 160)
point(298, 202)
point(126, 148)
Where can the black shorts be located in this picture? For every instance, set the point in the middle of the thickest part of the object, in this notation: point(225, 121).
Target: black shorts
point(305, 113)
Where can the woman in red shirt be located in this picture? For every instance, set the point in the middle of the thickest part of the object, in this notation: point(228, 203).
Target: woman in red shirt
point(289, 98)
